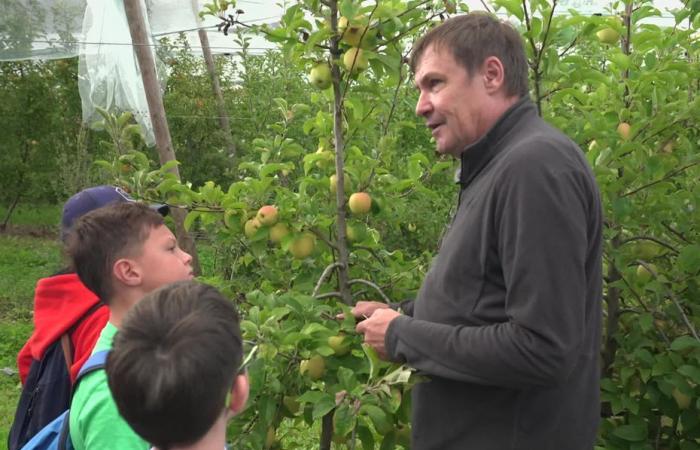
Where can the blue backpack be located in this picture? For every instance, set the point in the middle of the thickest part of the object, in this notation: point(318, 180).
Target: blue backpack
point(47, 390)
point(55, 435)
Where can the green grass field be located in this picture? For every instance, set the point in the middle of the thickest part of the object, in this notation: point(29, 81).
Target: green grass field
point(23, 260)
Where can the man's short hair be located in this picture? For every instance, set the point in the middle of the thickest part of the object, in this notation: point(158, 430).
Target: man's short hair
point(473, 37)
point(102, 236)
point(174, 361)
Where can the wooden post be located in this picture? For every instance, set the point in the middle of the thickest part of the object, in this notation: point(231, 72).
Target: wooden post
point(144, 56)
point(215, 85)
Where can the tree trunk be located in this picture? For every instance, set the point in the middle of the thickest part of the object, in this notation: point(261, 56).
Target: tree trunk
point(144, 56)
point(343, 253)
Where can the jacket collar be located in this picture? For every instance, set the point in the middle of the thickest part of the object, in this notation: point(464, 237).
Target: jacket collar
point(477, 155)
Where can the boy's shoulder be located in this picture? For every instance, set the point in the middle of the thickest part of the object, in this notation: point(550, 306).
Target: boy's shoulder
point(95, 421)
point(94, 418)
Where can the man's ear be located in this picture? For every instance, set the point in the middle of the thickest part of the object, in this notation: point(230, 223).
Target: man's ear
point(493, 74)
point(127, 272)
point(239, 394)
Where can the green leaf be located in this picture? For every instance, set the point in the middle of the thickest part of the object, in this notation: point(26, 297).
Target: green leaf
point(311, 397)
point(631, 433)
point(689, 259)
point(189, 220)
point(343, 420)
point(323, 407)
point(389, 441)
point(374, 361)
point(366, 437)
point(684, 343)
point(514, 7)
point(692, 372)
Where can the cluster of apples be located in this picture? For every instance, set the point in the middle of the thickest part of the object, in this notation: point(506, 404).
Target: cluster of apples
point(357, 34)
point(301, 247)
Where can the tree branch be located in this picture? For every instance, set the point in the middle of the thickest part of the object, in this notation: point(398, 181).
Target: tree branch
point(372, 285)
point(666, 177)
point(324, 275)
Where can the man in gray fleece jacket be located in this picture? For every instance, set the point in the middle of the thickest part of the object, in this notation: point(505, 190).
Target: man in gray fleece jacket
point(506, 326)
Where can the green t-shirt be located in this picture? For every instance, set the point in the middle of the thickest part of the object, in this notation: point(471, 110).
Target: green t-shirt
point(95, 423)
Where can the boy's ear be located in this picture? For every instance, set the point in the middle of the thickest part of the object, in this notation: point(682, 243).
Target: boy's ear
point(239, 393)
point(127, 272)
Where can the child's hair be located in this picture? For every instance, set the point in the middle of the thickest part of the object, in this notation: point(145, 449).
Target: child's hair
point(101, 237)
point(174, 362)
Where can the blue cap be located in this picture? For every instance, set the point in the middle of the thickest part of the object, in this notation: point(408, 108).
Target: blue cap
point(96, 197)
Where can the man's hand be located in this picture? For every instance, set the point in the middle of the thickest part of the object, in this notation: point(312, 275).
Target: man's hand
point(364, 309)
point(375, 328)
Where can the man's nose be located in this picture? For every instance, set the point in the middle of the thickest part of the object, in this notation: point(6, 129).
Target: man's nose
point(422, 106)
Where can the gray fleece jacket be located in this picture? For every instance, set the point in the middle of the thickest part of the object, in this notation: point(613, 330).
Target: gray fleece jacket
point(507, 323)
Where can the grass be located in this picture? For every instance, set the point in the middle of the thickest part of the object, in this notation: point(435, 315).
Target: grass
point(23, 260)
point(34, 216)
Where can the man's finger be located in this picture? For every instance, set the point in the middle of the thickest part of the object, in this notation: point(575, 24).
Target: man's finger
point(361, 327)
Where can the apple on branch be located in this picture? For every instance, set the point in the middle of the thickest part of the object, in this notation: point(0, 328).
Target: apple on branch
point(320, 76)
point(267, 215)
point(360, 203)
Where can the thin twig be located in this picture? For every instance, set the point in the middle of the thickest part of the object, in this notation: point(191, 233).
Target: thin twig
point(666, 177)
point(684, 316)
point(372, 285)
point(326, 272)
point(328, 295)
point(649, 238)
point(323, 237)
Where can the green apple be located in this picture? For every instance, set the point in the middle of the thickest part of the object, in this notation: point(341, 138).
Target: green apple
point(360, 203)
point(355, 61)
point(267, 215)
point(647, 250)
point(291, 404)
point(303, 246)
point(251, 227)
point(326, 157)
point(278, 232)
point(339, 345)
point(354, 33)
point(320, 76)
point(316, 367)
point(608, 36)
point(645, 274)
point(342, 24)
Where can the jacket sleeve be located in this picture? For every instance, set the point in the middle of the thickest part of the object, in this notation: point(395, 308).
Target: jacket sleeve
point(541, 227)
point(406, 307)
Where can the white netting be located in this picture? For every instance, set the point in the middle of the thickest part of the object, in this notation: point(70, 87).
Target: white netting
point(97, 30)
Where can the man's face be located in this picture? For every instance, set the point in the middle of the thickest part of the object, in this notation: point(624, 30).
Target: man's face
point(162, 261)
point(450, 100)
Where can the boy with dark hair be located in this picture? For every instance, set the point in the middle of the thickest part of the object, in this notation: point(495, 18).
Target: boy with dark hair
point(121, 253)
point(174, 367)
point(68, 318)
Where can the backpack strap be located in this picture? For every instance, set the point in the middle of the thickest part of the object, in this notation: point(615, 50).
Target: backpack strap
point(94, 362)
point(66, 343)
